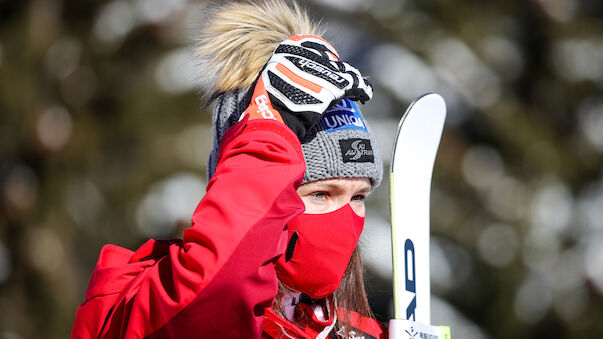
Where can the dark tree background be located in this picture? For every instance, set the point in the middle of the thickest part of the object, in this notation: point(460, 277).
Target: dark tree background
point(104, 137)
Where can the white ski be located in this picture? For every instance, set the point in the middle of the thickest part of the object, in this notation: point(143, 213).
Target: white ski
point(412, 163)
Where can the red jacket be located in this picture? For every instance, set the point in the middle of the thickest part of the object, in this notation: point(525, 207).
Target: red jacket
point(219, 280)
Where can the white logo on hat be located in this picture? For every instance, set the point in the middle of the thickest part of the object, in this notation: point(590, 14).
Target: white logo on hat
point(341, 119)
point(358, 149)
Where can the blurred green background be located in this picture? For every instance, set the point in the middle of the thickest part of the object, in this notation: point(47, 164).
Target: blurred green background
point(104, 138)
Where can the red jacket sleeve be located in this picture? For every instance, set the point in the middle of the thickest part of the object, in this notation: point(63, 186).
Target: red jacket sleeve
point(218, 280)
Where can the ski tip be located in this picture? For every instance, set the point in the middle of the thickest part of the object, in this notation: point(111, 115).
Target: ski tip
point(430, 102)
point(432, 98)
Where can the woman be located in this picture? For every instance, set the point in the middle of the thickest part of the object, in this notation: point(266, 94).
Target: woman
point(271, 251)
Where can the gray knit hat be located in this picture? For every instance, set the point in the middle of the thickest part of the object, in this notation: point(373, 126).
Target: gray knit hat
point(341, 145)
point(227, 111)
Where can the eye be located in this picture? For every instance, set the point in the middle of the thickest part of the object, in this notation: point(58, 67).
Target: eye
point(319, 195)
point(359, 197)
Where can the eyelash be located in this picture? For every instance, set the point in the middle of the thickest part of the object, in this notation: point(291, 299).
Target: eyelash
point(359, 197)
point(320, 195)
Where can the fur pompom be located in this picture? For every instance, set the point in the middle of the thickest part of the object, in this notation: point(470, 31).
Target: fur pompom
point(238, 38)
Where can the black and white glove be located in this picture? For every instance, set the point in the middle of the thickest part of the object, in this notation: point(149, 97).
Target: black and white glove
point(305, 75)
point(302, 79)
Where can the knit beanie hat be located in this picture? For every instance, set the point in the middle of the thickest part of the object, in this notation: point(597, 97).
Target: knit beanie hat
point(237, 40)
point(340, 145)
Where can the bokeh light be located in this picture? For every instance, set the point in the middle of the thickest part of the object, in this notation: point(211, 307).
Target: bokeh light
point(533, 299)
point(20, 191)
point(594, 261)
point(157, 10)
point(552, 207)
point(498, 244)
point(115, 20)
point(44, 250)
point(590, 114)
point(176, 72)
point(84, 202)
point(578, 59)
point(62, 57)
point(482, 167)
point(54, 128)
point(503, 55)
point(169, 203)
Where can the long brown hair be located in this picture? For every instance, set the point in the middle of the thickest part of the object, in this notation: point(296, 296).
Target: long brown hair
point(351, 295)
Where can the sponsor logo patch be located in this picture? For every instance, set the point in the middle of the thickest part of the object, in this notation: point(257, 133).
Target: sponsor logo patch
point(356, 150)
point(344, 115)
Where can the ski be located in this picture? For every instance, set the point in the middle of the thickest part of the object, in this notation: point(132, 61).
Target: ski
point(413, 157)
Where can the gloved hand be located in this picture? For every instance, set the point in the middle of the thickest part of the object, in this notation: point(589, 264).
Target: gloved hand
point(303, 78)
point(305, 74)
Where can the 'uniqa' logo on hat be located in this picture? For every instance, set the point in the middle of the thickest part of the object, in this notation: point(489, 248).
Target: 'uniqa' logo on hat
point(344, 115)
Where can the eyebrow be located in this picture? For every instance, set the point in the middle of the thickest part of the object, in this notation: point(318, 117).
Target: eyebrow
point(333, 186)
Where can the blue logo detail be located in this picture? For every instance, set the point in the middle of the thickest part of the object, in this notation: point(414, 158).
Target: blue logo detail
point(344, 115)
point(410, 274)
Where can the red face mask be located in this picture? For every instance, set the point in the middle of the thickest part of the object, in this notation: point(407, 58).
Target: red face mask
point(318, 252)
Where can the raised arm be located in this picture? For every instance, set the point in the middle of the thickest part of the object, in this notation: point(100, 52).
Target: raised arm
point(220, 277)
